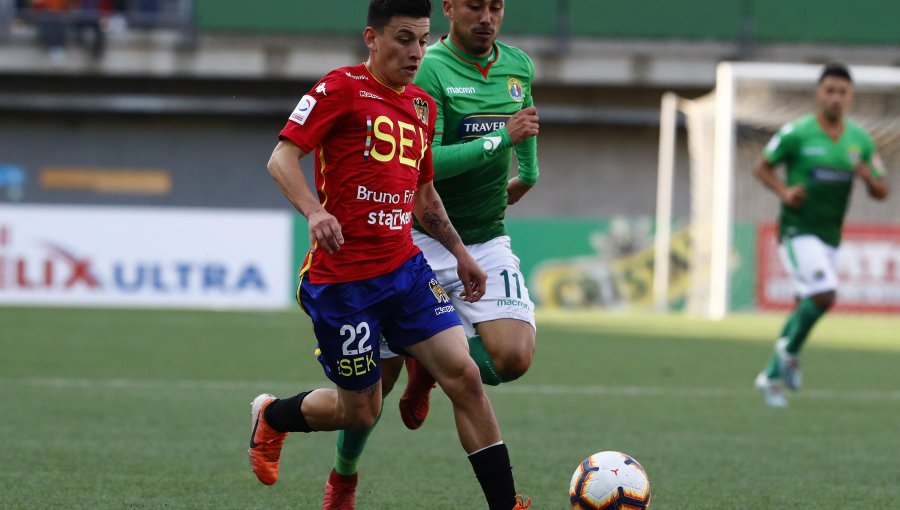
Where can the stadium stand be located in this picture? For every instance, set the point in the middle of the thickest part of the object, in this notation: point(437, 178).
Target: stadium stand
point(224, 72)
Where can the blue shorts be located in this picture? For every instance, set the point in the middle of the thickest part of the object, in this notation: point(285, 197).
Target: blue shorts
point(407, 306)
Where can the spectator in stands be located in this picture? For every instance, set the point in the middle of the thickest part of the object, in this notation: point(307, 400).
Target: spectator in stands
point(139, 13)
point(89, 23)
point(50, 19)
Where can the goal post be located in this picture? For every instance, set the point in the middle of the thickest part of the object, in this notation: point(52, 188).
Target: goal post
point(726, 131)
point(665, 182)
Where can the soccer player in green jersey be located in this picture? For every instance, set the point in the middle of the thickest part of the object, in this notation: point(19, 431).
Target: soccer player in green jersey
point(485, 113)
point(823, 154)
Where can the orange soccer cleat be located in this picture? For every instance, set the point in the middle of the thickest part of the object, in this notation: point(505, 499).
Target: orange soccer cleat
point(265, 442)
point(340, 492)
point(521, 504)
point(415, 400)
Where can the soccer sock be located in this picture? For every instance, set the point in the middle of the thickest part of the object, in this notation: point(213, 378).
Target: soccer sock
point(489, 374)
point(801, 323)
point(773, 370)
point(494, 473)
point(350, 445)
point(284, 414)
point(796, 330)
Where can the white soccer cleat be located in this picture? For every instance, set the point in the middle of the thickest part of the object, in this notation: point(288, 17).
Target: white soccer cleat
point(771, 390)
point(789, 365)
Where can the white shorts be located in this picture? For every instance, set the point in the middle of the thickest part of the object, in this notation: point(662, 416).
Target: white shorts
point(506, 296)
point(810, 263)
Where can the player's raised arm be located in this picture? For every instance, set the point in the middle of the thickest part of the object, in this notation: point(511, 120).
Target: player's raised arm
point(522, 125)
point(452, 160)
point(526, 156)
point(284, 167)
point(430, 212)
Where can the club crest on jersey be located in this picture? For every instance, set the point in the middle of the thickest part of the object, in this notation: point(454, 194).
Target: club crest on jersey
point(421, 109)
point(854, 154)
point(514, 87)
point(439, 293)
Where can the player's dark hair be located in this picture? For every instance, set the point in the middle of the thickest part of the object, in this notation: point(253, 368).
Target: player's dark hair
point(836, 70)
point(381, 11)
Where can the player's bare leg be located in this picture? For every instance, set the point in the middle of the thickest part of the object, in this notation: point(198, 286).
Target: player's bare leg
point(503, 351)
point(340, 489)
point(335, 409)
point(509, 345)
point(445, 356)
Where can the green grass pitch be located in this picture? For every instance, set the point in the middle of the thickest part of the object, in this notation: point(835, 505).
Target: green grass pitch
point(113, 409)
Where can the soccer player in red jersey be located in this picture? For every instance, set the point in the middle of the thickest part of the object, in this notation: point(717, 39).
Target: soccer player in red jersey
point(363, 278)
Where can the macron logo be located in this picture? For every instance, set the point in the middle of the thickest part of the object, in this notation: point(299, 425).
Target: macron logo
point(814, 151)
point(460, 90)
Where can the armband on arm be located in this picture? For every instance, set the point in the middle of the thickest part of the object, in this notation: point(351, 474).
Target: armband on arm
point(452, 160)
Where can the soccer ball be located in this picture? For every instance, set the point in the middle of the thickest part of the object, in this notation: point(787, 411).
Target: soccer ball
point(609, 481)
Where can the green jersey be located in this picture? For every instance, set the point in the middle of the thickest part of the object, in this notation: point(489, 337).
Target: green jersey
point(825, 168)
point(471, 149)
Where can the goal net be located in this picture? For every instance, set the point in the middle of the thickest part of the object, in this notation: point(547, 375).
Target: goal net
point(733, 260)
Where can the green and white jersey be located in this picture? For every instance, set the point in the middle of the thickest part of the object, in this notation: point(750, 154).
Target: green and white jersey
point(471, 149)
point(825, 168)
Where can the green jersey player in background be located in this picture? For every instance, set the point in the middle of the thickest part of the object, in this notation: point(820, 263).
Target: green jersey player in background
point(823, 154)
point(485, 112)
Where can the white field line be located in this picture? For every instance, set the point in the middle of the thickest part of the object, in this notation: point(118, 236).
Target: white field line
point(156, 384)
point(656, 391)
point(507, 389)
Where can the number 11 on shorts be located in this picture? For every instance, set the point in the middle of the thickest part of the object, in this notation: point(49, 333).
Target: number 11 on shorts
point(505, 275)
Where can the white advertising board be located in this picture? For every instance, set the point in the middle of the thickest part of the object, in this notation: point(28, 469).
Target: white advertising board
point(145, 257)
point(868, 270)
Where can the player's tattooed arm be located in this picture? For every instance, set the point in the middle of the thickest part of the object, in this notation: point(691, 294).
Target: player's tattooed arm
point(437, 224)
point(430, 212)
